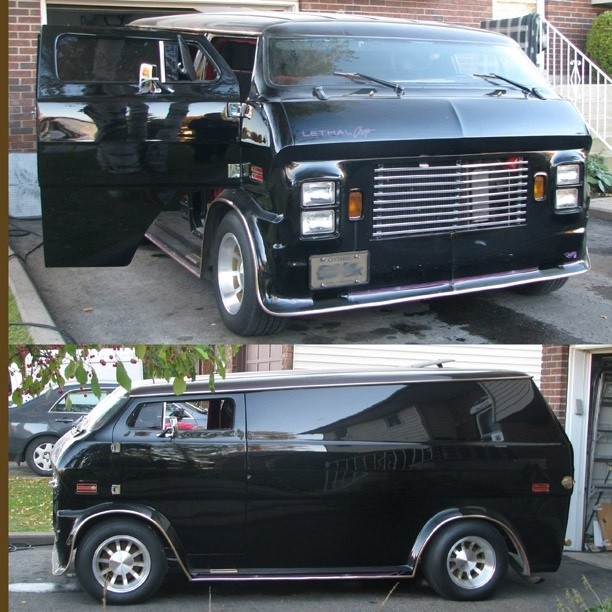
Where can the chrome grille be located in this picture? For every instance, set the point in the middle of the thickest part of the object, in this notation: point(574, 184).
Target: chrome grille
point(447, 197)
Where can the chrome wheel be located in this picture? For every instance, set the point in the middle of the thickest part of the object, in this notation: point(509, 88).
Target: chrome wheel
point(230, 273)
point(121, 564)
point(471, 562)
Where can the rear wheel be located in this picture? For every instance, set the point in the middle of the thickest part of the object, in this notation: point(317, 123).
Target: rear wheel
point(121, 562)
point(38, 455)
point(466, 561)
point(542, 287)
point(235, 284)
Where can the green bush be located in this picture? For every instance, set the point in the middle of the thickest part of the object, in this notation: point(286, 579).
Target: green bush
point(599, 42)
point(599, 176)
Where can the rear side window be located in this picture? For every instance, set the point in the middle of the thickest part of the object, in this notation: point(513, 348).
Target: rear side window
point(491, 411)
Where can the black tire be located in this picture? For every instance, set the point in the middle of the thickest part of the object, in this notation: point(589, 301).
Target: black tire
point(541, 287)
point(466, 561)
point(142, 568)
point(38, 455)
point(234, 282)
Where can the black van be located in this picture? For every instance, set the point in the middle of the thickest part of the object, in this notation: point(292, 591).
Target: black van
point(310, 163)
point(452, 474)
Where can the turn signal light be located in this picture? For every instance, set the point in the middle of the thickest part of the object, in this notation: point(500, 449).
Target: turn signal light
point(355, 205)
point(539, 187)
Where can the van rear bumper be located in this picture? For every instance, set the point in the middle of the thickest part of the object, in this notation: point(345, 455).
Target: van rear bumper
point(349, 299)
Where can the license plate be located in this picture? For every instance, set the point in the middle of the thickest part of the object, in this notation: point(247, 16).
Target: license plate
point(339, 269)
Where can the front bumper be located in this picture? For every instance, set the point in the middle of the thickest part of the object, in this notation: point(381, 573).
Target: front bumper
point(353, 299)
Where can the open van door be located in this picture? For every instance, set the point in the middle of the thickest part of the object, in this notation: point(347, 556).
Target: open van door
point(128, 119)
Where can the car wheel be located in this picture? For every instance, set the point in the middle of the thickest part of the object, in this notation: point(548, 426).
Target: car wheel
point(234, 282)
point(121, 562)
point(466, 561)
point(541, 288)
point(38, 455)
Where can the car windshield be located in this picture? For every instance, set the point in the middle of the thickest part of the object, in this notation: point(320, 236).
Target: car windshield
point(103, 411)
point(324, 61)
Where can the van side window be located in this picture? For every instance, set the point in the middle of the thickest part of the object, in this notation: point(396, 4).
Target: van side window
point(221, 414)
point(82, 59)
point(212, 414)
point(146, 416)
point(490, 411)
point(239, 53)
point(204, 68)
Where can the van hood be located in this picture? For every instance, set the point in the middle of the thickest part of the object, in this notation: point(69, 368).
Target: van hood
point(552, 123)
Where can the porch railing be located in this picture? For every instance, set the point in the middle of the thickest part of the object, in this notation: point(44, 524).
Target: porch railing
point(572, 74)
point(578, 78)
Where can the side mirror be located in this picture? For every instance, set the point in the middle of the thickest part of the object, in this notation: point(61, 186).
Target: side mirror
point(147, 79)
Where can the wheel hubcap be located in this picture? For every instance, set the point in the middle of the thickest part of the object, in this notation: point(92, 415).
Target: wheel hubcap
point(121, 564)
point(42, 456)
point(471, 562)
point(230, 273)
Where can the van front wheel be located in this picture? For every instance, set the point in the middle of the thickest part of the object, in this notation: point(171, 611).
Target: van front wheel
point(120, 562)
point(235, 284)
point(466, 561)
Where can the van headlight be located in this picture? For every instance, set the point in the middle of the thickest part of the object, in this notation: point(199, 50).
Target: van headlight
point(317, 222)
point(568, 174)
point(317, 218)
point(318, 193)
point(567, 194)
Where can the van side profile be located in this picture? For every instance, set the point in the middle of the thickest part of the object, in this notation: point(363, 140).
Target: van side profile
point(448, 474)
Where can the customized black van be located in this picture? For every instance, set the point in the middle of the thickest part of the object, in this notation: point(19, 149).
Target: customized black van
point(448, 474)
point(310, 162)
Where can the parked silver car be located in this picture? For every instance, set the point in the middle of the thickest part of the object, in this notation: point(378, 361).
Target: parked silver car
point(35, 426)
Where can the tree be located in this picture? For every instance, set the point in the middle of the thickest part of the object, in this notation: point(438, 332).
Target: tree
point(42, 366)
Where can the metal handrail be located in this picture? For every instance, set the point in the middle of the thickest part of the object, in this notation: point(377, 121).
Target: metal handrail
point(576, 77)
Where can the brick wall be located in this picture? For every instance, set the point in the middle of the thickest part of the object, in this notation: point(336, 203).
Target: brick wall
point(468, 12)
point(553, 381)
point(23, 27)
point(573, 18)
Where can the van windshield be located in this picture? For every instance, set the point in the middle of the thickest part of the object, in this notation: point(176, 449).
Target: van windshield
point(321, 60)
point(103, 411)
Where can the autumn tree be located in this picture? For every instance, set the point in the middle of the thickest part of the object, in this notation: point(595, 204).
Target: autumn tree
point(43, 366)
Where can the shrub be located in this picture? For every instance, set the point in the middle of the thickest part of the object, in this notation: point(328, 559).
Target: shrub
point(599, 42)
point(599, 176)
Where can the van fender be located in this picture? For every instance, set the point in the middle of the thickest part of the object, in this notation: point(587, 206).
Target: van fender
point(249, 211)
point(160, 524)
point(518, 559)
point(254, 219)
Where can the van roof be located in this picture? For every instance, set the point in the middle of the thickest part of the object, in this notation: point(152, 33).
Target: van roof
point(253, 23)
point(292, 379)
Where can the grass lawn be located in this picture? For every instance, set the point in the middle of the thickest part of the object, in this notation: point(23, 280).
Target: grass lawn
point(30, 504)
point(17, 334)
